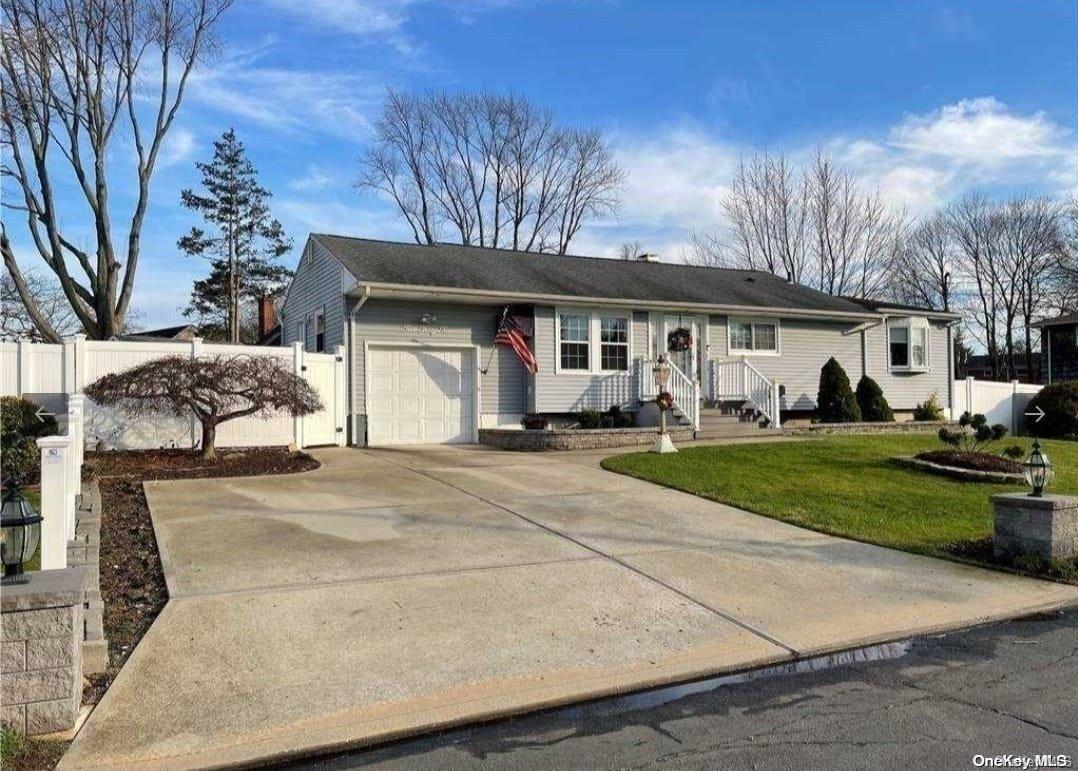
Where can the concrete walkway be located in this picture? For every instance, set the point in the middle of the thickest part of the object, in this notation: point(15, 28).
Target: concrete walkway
point(397, 591)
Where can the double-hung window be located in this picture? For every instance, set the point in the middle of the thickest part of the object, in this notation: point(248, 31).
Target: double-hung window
point(751, 336)
point(613, 343)
point(907, 344)
point(574, 349)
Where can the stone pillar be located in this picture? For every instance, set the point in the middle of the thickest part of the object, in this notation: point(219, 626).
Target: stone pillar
point(1045, 527)
point(41, 631)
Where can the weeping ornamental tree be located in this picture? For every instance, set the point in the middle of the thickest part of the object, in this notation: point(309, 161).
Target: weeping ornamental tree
point(214, 389)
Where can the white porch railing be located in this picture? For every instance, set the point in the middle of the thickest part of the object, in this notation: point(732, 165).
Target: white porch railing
point(684, 389)
point(61, 481)
point(737, 379)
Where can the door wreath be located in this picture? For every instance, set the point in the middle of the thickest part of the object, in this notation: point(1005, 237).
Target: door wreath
point(679, 339)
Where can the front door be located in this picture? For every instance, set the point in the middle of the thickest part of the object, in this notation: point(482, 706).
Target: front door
point(688, 361)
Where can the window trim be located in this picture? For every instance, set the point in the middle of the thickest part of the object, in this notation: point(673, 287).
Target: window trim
point(752, 320)
point(910, 323)
point(594, 339)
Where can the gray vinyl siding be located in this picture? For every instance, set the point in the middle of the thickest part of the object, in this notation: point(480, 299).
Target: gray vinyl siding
point(504, 385)
point(905, 390)
point(320, 283)
point(571, 392)
point(804, 347)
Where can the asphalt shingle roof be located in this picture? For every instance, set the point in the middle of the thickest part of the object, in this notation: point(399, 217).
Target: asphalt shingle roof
point(479, 268)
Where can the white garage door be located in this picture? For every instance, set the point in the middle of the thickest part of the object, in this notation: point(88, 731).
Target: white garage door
point(420, 396)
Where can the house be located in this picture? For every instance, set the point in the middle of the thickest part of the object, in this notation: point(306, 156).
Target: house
point(1059, 348)
point(178, 333)
point(979, 366)
point(417, 323)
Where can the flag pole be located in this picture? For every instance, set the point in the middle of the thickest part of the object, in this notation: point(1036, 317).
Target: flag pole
point(493, 345)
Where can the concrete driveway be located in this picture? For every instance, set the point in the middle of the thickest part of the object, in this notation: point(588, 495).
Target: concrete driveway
point(396, 591)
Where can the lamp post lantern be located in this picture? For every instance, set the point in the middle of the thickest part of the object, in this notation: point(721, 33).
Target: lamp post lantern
point(661, 374)
point(1038, 470)
point(20, 533)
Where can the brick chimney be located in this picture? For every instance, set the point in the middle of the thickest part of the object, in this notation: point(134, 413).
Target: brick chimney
point(267, 315)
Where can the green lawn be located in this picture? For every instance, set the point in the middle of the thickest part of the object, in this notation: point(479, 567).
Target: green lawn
point(844, 486)
point(33, 494)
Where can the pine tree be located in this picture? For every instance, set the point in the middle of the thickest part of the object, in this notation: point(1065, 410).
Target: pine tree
point(242, 242)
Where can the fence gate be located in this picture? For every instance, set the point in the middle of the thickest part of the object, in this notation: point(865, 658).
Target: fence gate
point(325, 373)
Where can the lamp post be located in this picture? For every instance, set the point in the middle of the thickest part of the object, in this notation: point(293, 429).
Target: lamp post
point(20, 533)
point(1038, 470)
point(661, 374)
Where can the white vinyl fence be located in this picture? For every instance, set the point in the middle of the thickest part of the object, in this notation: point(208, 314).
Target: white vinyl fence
point(51, 374)
point(61, 481)
point(1004, 403)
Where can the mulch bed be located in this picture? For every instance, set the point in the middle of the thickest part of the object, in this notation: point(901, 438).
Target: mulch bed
point(132, 582)
point(980, 550)
point(974, 461)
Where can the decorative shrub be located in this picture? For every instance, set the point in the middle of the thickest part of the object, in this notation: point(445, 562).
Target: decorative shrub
point(929, 409)
point(20, 427)
point(1014, 452)
point(533, 422)
point(1060, 404)
point(973, 433)
point(591, 418)
point(873, 404)
point(835, 402)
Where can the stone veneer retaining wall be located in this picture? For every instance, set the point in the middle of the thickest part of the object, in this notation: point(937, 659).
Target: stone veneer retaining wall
point(85, 549)
point(902, 427)
point(1045, 527)
point(41, 651)
point(965, 474)
point(575, 439)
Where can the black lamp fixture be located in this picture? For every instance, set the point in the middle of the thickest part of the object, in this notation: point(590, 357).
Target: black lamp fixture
point(20, 533)
point(1038, 470)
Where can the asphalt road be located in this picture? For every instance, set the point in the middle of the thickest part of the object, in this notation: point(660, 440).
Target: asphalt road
point(1002, 689)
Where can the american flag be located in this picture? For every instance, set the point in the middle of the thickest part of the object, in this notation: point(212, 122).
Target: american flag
point(511, 333)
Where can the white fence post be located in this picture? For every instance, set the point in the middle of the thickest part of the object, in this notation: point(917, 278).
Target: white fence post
point(79, 364)
point(196, 427)
point(340, 384)
point(297, 369)
point(26, 367)
point(55, 464)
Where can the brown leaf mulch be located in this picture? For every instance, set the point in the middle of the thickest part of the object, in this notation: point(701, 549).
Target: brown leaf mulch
point(975, 461)
point(132, 583)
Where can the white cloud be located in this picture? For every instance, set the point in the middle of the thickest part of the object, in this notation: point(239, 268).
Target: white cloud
point(980, 131)
point(357, 17)
point(179, 147)
point(677, 177)
point(295, 102)
point(313, 181)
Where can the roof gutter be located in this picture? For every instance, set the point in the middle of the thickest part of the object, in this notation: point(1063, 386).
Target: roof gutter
point(389, 290)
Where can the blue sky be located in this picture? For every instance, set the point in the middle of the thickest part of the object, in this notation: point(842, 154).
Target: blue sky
point(923, 99)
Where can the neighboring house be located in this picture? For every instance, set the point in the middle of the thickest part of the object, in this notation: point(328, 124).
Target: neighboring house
point(179, 333)
point(979, 366)
point(1059, 348)
point(417, 325)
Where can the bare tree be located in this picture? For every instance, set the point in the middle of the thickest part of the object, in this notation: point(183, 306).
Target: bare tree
point(923, 269)
point(492, 170)
point(1031, 235)
point(975, 227)
point(74, 74)
point(214, 389)
point(16, 322)
point(630, 250)
point(1063, 286)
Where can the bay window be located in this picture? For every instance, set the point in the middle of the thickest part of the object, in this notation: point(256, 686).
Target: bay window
point(907, 344)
